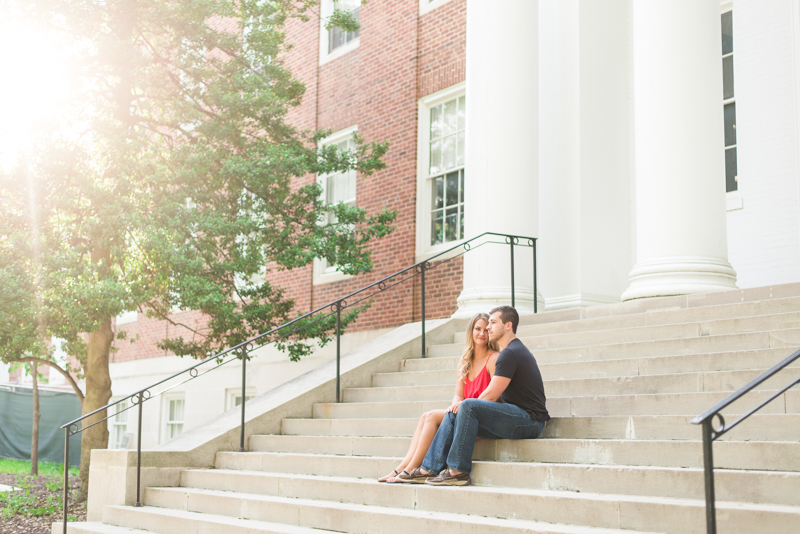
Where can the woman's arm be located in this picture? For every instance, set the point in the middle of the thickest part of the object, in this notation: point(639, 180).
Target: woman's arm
point(458, 397)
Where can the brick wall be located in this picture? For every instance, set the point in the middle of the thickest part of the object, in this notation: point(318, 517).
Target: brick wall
point(400, 58)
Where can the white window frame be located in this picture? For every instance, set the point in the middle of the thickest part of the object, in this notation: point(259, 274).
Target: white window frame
point(424, 248)
point(326, 10)
point(426, 6)
point(733, 199)
point(232, 394)
point(322, 273)
point(127, 317)
point(165, 426)
point(116, 428)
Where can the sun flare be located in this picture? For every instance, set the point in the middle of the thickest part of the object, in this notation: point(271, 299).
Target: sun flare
point(34, 84)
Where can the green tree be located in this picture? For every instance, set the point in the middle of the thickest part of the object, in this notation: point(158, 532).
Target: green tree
point(168, 183)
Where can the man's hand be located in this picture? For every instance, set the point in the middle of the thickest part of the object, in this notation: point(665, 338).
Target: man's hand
point(454, 407)
point(495, 388)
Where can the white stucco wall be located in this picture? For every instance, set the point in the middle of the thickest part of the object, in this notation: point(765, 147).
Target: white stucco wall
point(764, 235)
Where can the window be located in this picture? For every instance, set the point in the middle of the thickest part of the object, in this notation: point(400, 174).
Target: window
point(119, 426)
point(729, 103)
point(127, 317)
point(337, 187)
point(442, 136)
point(233, 397)
point(336, 42)
point(174, 416)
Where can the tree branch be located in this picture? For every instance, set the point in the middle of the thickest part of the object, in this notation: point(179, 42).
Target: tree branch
point(58, 368)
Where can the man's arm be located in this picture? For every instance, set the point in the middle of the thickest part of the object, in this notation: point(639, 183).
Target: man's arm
point(495, 388)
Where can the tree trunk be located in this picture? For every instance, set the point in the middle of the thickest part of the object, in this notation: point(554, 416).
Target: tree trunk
point(98, 392)
point(36, 416)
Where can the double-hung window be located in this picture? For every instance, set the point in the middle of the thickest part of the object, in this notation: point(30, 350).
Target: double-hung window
point(119, 425)
point(441, 211)
point(729, 104)
point(335, 42)
point(339, 187)
point(174, 414)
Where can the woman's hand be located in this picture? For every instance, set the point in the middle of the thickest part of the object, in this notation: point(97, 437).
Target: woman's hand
point(454, 407)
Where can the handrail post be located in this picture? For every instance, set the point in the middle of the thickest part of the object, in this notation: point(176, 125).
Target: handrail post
point(338, 347)
point(513, 299)
point(66, 475)
point(139, 454)
point(244, 376)
point(708, 464)
point(422, 311)
point(535, 289)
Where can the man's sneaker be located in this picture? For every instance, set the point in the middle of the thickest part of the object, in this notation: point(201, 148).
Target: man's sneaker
point(446, 479)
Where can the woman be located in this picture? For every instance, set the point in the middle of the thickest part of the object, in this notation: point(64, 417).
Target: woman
point(475, 370)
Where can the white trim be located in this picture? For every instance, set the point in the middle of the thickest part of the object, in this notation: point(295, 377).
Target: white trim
point(319, 277)
point(423, 249)
point(168, 397)
point(232, 393)
point(326, 10)
point(426, 6)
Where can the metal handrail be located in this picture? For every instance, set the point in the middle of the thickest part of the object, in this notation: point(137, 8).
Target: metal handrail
point(710, 433)
point(240, 351)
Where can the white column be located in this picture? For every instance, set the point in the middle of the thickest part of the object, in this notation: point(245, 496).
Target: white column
point(681, 242)
point(502, 149)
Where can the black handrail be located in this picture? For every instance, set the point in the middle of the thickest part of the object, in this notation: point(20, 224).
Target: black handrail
point(710, 434)
point(240, 351)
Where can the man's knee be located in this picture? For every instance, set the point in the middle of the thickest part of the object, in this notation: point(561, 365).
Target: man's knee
point(468, 405)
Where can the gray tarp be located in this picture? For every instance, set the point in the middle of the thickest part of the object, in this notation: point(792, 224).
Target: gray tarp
point(16, 424)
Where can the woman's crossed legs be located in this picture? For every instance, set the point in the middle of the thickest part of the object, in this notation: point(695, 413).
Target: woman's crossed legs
point(423, 436)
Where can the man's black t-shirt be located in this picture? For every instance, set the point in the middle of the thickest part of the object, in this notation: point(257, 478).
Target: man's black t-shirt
point(526, 389)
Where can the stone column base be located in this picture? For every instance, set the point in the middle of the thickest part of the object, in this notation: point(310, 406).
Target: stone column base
point(679, 276)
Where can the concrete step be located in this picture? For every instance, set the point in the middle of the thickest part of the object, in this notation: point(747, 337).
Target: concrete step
point(355, 518)
point(658, 365)
point(681, 516)
point(760, 427)
point(722, 304)
point(127, 519)
point(766, 487)
point(758, 455)
point(590, 405)
point(663, 316)
point(629, 385)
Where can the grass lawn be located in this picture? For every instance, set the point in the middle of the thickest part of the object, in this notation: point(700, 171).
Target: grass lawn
point(9, 466)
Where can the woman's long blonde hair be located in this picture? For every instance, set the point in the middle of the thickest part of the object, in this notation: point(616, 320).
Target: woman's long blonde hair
point(468, 357)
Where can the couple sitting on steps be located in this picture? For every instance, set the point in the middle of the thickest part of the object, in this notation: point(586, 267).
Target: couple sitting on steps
point(499, 395)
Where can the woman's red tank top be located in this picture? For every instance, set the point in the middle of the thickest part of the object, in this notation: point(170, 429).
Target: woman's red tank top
point(473, 388)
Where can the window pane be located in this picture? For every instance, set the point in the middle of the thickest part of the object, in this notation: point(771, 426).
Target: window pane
point(452, 189)
point(436, 157)
point(438, 193)
point(176, 410)
point(730, 124)
point(461, 222)
point(727, 33)
point(437, 228)
point(462, 117)
point(451, 225)
point(727, 77)
point(461, 197)
point(174, 430)
point(448, 152)
point(450, 118)
point(460, 149)
point(436, 122)
point(731, 181)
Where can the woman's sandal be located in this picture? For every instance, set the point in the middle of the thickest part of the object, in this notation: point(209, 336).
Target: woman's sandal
point(386, 478)
point(414, 477)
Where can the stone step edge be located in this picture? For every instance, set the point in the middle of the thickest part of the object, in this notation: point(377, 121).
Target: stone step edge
point(451, 384)
point(659, 325)
point(638, 342)
point(575, 465)
point(523, 526)
point(493, 490)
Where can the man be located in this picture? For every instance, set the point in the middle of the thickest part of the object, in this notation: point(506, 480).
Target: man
point(511, 407)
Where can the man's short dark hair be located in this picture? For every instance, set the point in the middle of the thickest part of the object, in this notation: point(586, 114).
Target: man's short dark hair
point(507, 315)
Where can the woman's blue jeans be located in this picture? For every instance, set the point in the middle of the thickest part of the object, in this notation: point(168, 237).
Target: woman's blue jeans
point(454, 442)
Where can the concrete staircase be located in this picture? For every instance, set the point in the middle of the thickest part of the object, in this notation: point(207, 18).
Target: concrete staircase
point(622, 382)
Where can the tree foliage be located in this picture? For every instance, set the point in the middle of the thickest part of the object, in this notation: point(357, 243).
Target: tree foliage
point(168, 185)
